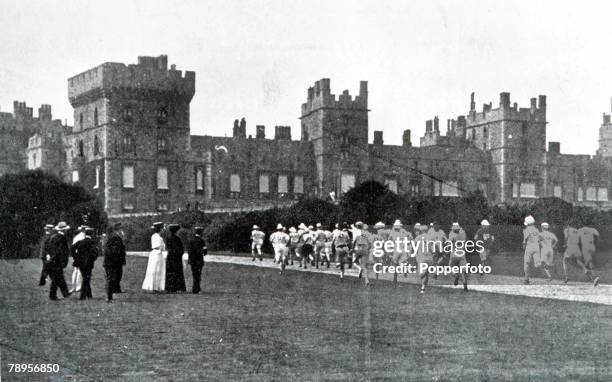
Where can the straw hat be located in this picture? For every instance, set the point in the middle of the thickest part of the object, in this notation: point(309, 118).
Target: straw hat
point(485, 222)
point(398, 223)
point(61, 226)
point(379, 225)
point(529, 220)
point(279, 226)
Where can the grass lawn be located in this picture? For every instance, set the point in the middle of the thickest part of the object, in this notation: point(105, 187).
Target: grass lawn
point(250, 323)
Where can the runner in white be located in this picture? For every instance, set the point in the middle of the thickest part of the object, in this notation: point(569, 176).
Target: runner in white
point(257, 239)
point(280, 240)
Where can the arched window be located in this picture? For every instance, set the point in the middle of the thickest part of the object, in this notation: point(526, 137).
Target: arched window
point(96, 116)
point(81, 149)
point(96, 145)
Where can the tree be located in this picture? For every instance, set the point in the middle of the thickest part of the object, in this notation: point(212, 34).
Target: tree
point(31, 199)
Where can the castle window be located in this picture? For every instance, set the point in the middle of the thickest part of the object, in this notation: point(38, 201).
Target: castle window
point(97, 184)
point(450, 188)
point(128, 176)
point(127, 114)
point(162, 115)
point(128, 144)
point(96, 116)
point(298, 184)
point(580, 194)
point(75, 176)
point(199, 179)
point(515, 189)
point(391, 184)
point(485, 132)
point(81, 149)
point(162, 178)
point(557, 191)
point(96, 145)
point(591, 194)
point(283, 184)
point(524, 128)
point(264, 184)
point(602, 194)
point(161, 144)
point(81, 121)
point(234, 185)
point(527, 190)
point(414, 188)
point(347, 181)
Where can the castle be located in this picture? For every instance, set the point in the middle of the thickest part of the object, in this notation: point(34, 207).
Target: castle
point(132, 147)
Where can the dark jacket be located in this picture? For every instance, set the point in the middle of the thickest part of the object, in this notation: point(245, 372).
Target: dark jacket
point(85, 253)
point(44, 240)
point(196, 249)
point(114, 251)
point(57, 249)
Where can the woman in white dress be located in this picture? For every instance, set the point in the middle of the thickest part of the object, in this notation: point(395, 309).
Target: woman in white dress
point(155, 278)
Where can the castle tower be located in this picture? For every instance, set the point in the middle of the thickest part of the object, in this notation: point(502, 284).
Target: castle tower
point(338, 130)
point(605, 137)
point(131, 135)
point(516, 140)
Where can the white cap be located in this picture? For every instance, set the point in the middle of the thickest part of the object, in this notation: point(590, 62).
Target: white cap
point(279, 226)
point(529, 220)
point(379, 225)
point(398, 223)
point(319, 225)
point(455, 225)
point(417, 225)
point(292, 229)
point(485, 222)
point(545, 225)
point(302, 226)
point(255, 226)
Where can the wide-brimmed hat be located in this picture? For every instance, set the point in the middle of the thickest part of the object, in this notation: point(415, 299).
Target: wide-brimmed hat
point(485, 222)
point(379, 225)
point(61, 226)
point(398, 223)
point(48, 226)
point(529, 220)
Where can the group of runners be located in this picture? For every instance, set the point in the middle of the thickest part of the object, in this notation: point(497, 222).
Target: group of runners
point(540, 245)
point(353, 245)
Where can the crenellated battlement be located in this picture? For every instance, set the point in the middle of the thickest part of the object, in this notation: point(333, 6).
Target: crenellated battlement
point(151, 73)
point(536, 111)
point(319, 96)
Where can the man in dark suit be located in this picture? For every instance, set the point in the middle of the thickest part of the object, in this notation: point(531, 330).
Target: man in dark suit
point(57, 252)
point(114, 260)
point(85, 253)
point(196, 249)
point(43, 254)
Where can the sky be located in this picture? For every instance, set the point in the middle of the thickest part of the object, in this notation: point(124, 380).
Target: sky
point(256, 59)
